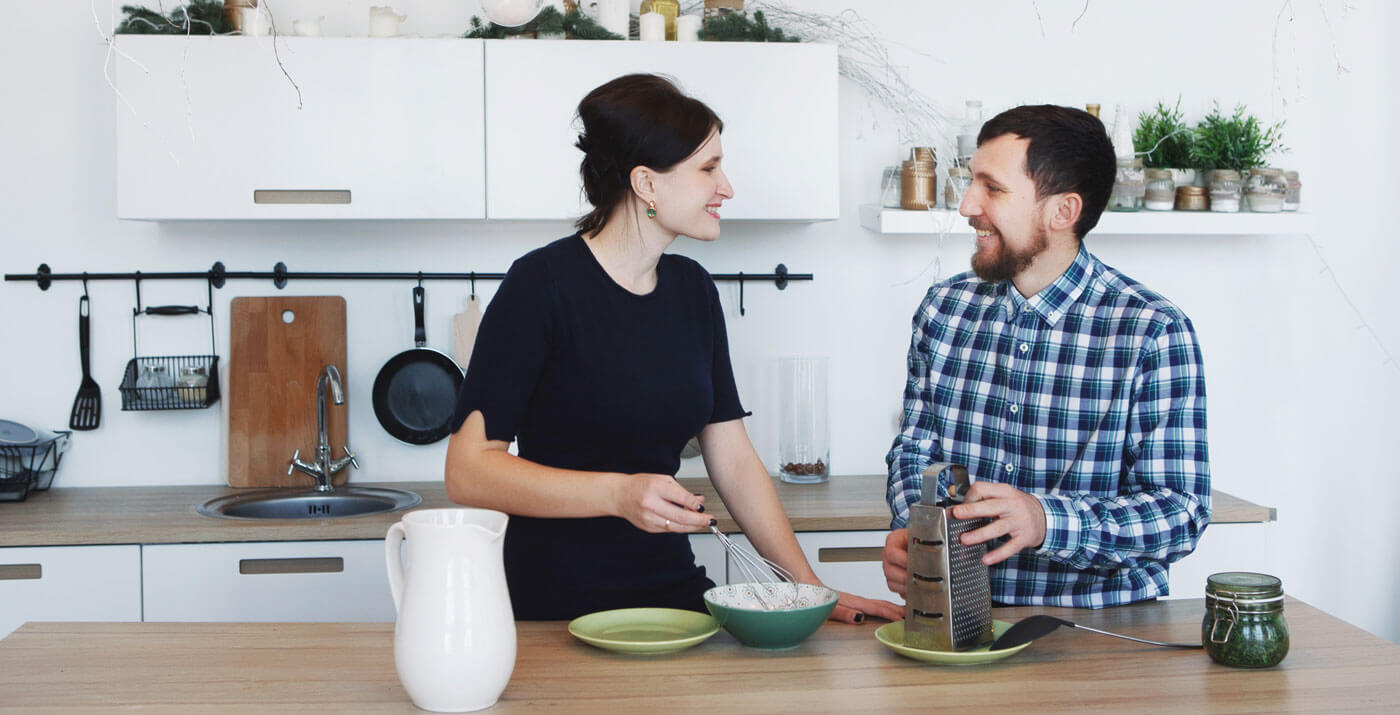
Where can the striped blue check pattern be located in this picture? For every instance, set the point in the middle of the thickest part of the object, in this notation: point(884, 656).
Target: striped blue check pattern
point(1089, 395)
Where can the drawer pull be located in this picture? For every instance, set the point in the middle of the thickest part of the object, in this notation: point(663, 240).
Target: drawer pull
point(328, 564)
point(849, 554)
point(21, 572)
point(301, 196)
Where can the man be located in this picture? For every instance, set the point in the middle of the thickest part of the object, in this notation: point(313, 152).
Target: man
point(1074, 395)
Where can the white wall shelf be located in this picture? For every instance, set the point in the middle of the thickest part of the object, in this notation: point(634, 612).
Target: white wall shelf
point(1141, 223)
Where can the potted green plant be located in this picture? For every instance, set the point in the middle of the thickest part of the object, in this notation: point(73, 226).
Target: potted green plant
point(1165, 141)
point(1238, 142)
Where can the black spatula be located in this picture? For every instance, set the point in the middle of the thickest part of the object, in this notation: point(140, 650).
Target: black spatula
point(1033, 627)
point(87, 406)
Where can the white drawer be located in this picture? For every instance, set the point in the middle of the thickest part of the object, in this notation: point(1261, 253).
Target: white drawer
point(710, 554)
point(282, 581)
point(69, 583)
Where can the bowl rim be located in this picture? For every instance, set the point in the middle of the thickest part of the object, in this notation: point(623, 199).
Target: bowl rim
point(830, 597)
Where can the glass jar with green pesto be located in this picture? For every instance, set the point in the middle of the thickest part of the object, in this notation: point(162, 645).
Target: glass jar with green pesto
point(1244, 626)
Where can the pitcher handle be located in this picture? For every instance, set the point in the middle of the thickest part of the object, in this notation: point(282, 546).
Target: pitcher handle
point(393, 560)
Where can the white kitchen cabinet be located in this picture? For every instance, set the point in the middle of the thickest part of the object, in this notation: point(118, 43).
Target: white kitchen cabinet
point(847, 561)
point(267, 581)
point(69, 583)
point(778, 102)
point(212, 128)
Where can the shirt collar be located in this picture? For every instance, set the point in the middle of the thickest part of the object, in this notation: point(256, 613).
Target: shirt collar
point(1052, 302)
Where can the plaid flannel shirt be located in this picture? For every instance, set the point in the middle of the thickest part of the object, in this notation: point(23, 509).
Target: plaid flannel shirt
point(1090, 395)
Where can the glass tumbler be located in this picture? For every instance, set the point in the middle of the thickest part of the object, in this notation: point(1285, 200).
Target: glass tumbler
point(804, 435)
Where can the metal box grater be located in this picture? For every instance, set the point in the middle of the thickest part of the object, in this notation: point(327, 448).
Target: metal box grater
point(948, 599)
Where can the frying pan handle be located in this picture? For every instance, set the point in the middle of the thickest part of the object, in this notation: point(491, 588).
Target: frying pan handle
point(420, 336)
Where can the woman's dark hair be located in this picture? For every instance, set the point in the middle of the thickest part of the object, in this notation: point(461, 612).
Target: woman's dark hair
point(634, 120)
point(1069, 152)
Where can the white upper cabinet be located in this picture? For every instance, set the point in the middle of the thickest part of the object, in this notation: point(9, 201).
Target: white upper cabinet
point(211, 128)
point(778, 102)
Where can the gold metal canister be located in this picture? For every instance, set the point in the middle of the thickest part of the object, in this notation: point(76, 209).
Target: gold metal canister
point(1191, 198)
point(918, 180)
point(1092, 109)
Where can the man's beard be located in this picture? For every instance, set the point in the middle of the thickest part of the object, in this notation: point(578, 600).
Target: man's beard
point(1002, 264)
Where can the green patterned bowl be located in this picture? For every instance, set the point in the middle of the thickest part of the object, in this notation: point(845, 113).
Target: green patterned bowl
point(739, 610)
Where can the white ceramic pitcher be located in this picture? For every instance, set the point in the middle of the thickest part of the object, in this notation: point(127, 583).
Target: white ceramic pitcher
point(454, 640)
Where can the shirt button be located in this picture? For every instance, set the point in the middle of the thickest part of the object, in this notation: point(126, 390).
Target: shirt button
point(1015, 408)
point(1010, 469)
point(1025, 347)
point(1026, 308)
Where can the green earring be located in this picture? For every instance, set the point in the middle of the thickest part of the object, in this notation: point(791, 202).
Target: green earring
point(651, 209)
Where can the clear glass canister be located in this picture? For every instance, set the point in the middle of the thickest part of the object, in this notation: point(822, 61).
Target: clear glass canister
point(1243, 625)
point(1129, 186)
point(1161, 190)
point(1225, 191)
point(1266, 189)
point(804, 435)
point(889, 188)
point(959, 181)
point(1294, 197)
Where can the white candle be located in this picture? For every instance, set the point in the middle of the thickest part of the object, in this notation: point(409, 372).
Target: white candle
point(652, 27)
point(614, 16)
point(688, 28)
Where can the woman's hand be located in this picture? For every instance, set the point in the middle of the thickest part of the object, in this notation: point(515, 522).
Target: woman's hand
point(657, 503)
point(855, 609)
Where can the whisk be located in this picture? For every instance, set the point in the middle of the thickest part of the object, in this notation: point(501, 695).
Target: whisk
point(774, 586)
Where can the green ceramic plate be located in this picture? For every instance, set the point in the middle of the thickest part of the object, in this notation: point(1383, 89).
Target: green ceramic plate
point(644, 630)
point(892, 635)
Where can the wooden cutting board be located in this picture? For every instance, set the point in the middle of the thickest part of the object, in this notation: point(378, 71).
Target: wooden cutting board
point(272, 373)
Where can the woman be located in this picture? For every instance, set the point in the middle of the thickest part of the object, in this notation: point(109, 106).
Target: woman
point(602, 356)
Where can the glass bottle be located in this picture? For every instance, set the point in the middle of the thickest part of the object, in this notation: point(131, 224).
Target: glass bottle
point(1160, 191)
point(1294, 195)
point(1244, 626)
point(804, 436)
point(967, 136)
point(959, 181)
point(668, 9)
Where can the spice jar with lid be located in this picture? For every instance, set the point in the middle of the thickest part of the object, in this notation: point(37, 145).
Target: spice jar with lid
point(1244, 626)
point(1225, 191)
point(1294, 195)
point(1161, 190)
point(959, 181)
point(918, 181)
point(1191, 198)
point(1129, 186)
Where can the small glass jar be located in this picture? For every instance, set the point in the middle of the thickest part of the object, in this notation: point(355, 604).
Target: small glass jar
point(889, 188)
point(192, 385)
point(804, 436)
point(1244, 626)
point(1161, 190)
point(918, 181)
point(1294, 196)
point(1225, 191)
point(959, 181)
point(1266, 189)
point(1191, 198)
point(1129, 186)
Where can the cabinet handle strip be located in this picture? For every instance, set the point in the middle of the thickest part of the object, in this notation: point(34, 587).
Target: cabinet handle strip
point(849, 554)
point(301, 196)
point(328, 564)
point(21, 572)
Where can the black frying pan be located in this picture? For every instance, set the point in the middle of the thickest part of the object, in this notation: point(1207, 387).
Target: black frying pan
point(415, 392)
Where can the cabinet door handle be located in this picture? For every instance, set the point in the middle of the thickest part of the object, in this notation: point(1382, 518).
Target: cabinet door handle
point(301, 196)
point(326, 564)
point(849, 554)
point(21, 572)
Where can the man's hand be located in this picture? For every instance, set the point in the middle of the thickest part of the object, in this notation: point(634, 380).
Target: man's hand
point(1015, 513)
point(896, 560)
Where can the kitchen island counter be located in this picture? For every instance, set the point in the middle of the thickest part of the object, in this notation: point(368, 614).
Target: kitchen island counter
point(166, 515)
point(349, 667)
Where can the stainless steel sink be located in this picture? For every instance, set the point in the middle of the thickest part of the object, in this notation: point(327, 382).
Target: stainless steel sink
point(309, 503)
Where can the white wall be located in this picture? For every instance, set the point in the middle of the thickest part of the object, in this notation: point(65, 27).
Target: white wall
point(1301, 396)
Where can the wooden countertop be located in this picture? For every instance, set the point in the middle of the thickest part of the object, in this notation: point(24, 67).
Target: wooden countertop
point(349, 667)
point(166, 515)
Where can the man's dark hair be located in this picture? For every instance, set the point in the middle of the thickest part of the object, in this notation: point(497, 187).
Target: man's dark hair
point(1069, 152)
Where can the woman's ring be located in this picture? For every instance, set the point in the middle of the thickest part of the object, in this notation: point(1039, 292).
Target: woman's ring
point(668, 524)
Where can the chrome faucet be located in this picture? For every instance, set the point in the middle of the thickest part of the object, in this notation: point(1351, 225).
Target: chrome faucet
point(325, 467)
